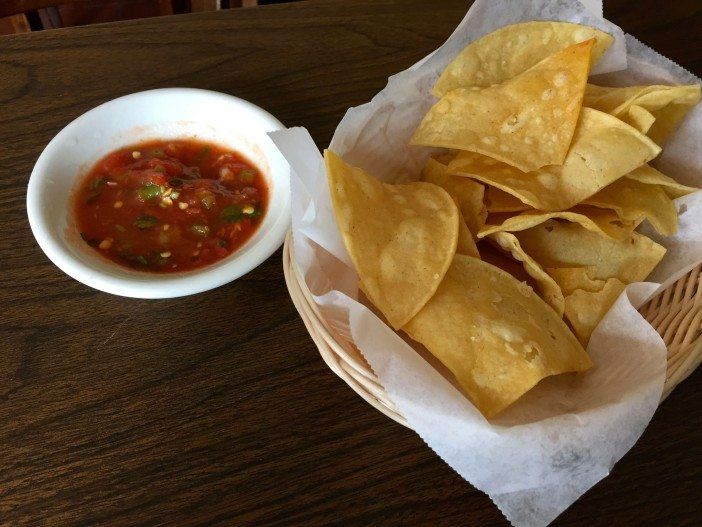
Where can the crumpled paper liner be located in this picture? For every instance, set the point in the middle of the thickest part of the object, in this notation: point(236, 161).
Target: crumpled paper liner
point(565, 435)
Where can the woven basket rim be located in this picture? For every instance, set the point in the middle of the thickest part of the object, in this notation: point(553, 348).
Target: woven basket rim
point(675, 313)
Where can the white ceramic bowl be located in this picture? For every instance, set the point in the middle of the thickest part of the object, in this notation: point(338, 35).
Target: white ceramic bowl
point(169, 113)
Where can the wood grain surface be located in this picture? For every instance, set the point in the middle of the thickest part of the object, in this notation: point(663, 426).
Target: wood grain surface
point(216, 409)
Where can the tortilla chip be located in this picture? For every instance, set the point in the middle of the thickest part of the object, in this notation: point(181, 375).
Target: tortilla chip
point(493, 254)
point(401, 238)
point(649, 175)
point(526, 122)
point(603, 149)
point(585, 309)
point(570, 279)
point(596, 220)
point(497, 200)
point(633, 201)
point(465, 244)
point(445, 157)
point(560, 244)
point(546, 285)
point(639, 118)
point(667, 104)
point(494, 334)
point(467, 194)
point(587, 299)
point(512, 49)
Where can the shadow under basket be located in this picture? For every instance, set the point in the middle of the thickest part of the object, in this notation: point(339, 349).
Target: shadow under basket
point(675, 313)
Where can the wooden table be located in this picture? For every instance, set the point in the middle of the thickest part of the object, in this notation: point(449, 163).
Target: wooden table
point(216, 409)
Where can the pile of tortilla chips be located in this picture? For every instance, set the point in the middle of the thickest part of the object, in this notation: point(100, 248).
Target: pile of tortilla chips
point(521, 234)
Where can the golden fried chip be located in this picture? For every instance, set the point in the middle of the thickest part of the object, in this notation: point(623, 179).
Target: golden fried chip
point(497, 200)
point(526, 122)
point(493, 254)
point(633, 201)
point(467, 194)
point(445, 157)
point(561, 244)
point(587, 299)
point(512, 49)
point(649, 175)
point(570, 279)
point(604, 222)
point(667, 104)
point(466, 243)
point(494, 334)
point(639, 118)
point(603, 149)
point(546, 285)
point(401, 238)
point(585, 309)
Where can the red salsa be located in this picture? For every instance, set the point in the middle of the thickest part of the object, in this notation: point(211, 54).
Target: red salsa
point(168, 206)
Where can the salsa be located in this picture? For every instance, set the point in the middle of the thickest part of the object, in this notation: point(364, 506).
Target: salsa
point(170, 206)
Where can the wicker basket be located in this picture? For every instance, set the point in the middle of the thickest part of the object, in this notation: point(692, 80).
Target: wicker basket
point(676, 313)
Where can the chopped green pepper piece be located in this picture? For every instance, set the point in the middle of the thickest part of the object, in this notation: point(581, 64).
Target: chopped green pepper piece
point(120, 228)
point(207, 199)
point(142, 260)
point(96, 188)
point(149, 191)
point(231, 214)
point(200, 230)
point(145, 221)
point(158, 153)
point(247, 175)
point(97, 183)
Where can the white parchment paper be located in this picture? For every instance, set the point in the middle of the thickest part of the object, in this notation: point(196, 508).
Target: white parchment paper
point(564, 436)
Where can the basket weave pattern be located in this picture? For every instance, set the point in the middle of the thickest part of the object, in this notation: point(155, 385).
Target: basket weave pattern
point(675, 313)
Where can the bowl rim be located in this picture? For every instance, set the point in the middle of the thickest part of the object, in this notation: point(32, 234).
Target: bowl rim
point(153, 285)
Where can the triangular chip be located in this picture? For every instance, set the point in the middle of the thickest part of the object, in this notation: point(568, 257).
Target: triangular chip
point(466, 243)
point(597, 220)
point(587, 299)
point(570, 279)
point(495, 335)
point(639, 118)
point(526, 122)
point(468, 194)
point(546, 285)
point(603, 149)
point(648, 174)
point(401, 238)
point(667, 104)
point(560, 244)
point(633, 201)
point(585, 309)
point(497, 200)
point(507, 52)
